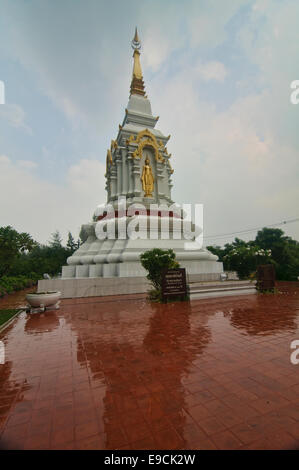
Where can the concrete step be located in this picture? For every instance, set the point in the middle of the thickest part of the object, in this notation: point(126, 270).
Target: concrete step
point(219, 289)
point(221, 284)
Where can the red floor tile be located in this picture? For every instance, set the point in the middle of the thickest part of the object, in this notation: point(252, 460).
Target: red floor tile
point(225, 440)
point(121, 373)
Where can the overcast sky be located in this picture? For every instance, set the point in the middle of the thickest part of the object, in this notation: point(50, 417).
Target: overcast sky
point(218, 74)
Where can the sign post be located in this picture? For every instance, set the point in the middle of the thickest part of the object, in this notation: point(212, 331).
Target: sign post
point(265, 277)
point(174, 283)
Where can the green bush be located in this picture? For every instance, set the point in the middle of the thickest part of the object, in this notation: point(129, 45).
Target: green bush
point(9, 284)
point(155, 262)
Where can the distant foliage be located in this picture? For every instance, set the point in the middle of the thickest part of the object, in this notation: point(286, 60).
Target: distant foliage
point(71, 245)
point(56, 240)
point(12, 245)
point(23, 261)
point(269, 246)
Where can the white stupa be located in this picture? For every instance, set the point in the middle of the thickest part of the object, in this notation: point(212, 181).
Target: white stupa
point(139, 172)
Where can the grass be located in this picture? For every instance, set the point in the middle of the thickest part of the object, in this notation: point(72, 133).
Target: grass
point(6, 314)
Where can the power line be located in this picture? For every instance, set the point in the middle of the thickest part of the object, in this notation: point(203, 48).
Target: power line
point(224, 235)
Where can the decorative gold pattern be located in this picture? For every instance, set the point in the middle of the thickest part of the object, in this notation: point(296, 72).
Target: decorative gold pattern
point(147, 143)
point(147, 179)
point(109, 160)
point(171, 169)
point(131, 139)
point(145, 133)
point(113, 144)
point(109, 156)
point(150, 141)
point(166, 151)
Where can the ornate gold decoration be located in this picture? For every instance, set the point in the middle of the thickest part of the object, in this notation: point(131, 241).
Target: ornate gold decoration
point(147, 179)
point(113, 145)
point(109, 160)
point(150, 141)
point(171, 169)
point(120, 127)
point(145, 133)
point(147, 143)
point(109, 157)
point(131, 139)
point(166, 151)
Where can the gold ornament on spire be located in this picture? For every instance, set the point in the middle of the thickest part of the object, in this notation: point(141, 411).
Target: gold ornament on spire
point(137, 84)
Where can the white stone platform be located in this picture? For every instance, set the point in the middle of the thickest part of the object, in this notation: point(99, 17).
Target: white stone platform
point(202, 290)
point(95, 287)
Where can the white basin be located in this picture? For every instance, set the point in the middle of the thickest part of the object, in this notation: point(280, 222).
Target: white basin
point(43, 299)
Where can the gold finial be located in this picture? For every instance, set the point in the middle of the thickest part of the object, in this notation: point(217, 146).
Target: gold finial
point(137, 84)
point(136, 37)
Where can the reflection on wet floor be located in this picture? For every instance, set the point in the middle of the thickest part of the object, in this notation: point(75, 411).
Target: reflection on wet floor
point(121, 373)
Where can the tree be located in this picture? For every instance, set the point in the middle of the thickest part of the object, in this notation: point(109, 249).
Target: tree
point(12, 244)
point(71, 244)
point(56, 241)
point(267, 238)
point(285, 252)
point(245, 258)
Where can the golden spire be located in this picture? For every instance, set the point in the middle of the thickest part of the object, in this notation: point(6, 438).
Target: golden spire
point(137, 84)
point(136, 37)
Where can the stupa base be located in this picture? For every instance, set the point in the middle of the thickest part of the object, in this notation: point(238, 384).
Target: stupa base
point(134, 269)
point(102, 286)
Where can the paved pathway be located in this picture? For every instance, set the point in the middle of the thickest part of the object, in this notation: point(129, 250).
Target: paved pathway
point(121, 373)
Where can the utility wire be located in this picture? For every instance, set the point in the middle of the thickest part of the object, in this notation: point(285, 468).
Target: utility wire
point(224, 235)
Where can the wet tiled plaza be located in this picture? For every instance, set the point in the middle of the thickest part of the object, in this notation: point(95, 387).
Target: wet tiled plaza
point(122, 373)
